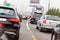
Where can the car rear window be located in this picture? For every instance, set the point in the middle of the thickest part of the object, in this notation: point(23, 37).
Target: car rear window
point(39, 8)
point(6, 11)
point(37, 15)
point(53, 18)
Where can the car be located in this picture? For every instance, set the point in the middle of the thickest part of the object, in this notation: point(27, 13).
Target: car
point(11, 22)
point(20, 17)
point(25, 17)
point(47, 22)
point(34, 19)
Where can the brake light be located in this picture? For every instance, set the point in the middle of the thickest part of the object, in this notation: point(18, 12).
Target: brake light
point(32, 16)
point(15, 20)
point(1, 25)
point(44, 21)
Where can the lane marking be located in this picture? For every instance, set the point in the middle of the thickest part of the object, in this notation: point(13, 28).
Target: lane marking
point(33, 37)
point(27, 26)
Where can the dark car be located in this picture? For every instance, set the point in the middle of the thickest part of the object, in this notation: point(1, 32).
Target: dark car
point(33, 21)
point(11, 22)
point(20, 17)
point(35, 18)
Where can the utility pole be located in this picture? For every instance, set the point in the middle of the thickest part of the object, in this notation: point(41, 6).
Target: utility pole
point(49, 5)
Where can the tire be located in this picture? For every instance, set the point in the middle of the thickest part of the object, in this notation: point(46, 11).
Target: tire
point(9, 37)
point(16, 36)
point(37, 27)
point(55, 38)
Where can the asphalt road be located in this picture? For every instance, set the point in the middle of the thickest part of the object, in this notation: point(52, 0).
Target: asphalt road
point(29, 32)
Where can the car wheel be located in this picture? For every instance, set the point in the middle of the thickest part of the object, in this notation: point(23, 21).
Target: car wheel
point(16, 36)
point(37, 27)
point(13, 37)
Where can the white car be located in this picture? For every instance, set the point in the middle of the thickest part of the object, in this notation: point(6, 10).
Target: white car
point(47, 22)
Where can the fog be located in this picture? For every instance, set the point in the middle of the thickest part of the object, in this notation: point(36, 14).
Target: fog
point(23, 5)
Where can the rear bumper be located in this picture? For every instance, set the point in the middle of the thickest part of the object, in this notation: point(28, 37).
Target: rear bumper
point(47, 27)
point(11, 24)
point(11, 27)
point(34, 21)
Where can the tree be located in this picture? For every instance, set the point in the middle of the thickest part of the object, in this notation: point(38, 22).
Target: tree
point(54, 12)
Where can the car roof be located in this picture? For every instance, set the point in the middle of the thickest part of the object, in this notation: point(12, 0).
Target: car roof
point(51, 15)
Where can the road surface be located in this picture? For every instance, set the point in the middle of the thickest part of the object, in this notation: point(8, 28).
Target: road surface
point(29, 32)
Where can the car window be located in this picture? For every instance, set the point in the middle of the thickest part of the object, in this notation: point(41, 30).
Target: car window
point(44, 17)
point(37, 15)
point(39, 8)
point(53, 18)
point(6, 11)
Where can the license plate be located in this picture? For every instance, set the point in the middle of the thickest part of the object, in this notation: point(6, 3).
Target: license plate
point(49, 27)
point(2, 19)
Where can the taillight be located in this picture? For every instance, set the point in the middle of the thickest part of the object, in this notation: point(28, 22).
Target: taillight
point(15, 20)
point(1, 25)
point(32, 16)
point(44, 21)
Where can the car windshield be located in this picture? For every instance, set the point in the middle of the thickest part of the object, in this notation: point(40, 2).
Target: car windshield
point(53, 18)
point(4, 11)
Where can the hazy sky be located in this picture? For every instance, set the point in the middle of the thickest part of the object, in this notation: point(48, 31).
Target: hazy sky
point(23, 5)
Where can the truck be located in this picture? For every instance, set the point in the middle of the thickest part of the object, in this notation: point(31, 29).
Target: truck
point(37, 12)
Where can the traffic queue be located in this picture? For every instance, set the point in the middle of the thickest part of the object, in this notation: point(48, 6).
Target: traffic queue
point(10, 22)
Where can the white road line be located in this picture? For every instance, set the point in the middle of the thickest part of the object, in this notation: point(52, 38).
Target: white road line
point(33, 37)
point(27, 26)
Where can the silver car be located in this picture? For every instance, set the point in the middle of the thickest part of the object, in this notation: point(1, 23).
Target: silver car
point(47, 22)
